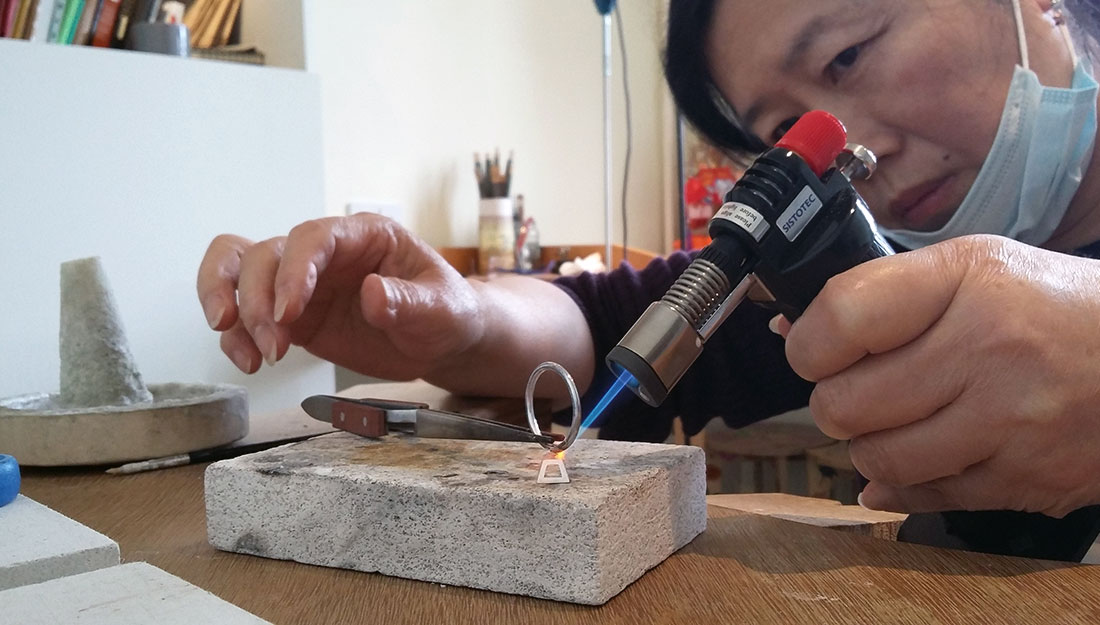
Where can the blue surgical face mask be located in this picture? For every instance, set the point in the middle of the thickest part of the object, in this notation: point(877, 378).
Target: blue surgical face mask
point(1043, 147)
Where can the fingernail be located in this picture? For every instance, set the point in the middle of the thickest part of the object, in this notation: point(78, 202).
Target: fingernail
point(280, 306)
point(265, 340)
point(773, 324)
point(859, 500)
point(243, 360)
point(214, 308)
point(387, 289)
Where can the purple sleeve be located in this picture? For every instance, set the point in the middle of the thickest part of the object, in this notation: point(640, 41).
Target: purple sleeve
point(742, 375)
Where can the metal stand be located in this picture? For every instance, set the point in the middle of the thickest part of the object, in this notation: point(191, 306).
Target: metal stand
point(607, 136)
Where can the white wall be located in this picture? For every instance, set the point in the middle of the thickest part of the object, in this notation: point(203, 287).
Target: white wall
point(142, 159)
point(412, 88)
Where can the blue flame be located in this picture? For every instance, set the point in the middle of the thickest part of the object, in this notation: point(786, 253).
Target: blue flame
point(624, 380)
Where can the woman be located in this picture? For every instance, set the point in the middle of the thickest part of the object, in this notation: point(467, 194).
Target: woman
point(966, 373)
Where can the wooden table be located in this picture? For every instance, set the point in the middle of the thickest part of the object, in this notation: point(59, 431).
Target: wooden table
point(744, 569)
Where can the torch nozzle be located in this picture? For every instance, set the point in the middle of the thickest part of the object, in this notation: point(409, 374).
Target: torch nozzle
point(670, 334)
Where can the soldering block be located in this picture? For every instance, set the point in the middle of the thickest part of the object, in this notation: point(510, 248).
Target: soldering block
point(463, 513)
point(39, 544)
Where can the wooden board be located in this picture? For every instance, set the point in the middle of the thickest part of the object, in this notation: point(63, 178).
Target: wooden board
point(743, 569)
point(815, 511)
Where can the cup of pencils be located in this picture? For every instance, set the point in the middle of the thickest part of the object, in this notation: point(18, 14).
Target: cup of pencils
point(496, 233)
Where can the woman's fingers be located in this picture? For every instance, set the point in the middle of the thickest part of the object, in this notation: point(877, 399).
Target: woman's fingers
point(309, 249)
point(977, 488)
point(389, 302)
point(893, 389)
point(256, 289)
point(944, 444)
point(219, 273)
point(348, 248)
point(237, 344)
point(873, 308)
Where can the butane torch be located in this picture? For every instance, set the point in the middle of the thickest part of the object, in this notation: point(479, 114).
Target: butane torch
point(790, 223)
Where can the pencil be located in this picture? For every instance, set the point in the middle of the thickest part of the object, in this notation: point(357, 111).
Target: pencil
point(152, 465)
point(204, 455)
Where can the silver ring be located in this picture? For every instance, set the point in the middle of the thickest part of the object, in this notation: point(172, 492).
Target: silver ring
point(529, 400)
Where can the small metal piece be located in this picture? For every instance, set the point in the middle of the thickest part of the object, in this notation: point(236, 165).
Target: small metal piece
point(552, 471)
point(698, 292)
point(441, 424)
point(574, 396)
point(857, 162)
point(728, 305)
point(759, 293)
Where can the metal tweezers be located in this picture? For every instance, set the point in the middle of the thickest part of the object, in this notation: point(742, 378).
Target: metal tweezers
point(375, 418)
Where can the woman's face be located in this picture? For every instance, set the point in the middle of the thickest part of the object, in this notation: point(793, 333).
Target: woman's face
point(920, 82)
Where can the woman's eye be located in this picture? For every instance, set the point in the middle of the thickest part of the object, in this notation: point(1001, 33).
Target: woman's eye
point(782, 128)
point(844, 61)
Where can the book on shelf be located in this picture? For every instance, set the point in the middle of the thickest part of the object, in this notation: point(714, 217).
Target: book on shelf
point(104, 26)
point(213, 24)
point(9, 9)
point(122, 24)
point(22, 18)
point(39, 28)
point(235, 53)
point(84, 22)
point(56, 16)
point(146, 11)
point(73, 9)
point(57, 21)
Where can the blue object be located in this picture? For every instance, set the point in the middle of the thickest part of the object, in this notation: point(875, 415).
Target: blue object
point(9, 479)
point(625, 379)
point(605, 6)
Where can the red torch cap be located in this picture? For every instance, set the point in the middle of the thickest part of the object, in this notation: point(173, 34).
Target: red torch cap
point(818, 138)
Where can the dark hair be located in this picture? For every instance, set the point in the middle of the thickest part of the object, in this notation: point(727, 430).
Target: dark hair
point(701, 103)
point(1085, 26)
point(692, 86)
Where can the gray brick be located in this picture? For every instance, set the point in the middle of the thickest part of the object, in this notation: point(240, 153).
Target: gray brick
point(465, 513)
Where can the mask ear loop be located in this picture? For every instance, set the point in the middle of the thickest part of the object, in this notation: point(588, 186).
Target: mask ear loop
point(1060, 21)
point(1021, 37)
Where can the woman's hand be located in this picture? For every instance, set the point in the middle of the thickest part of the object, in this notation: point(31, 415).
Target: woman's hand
point(359, 291)
point(966, 374)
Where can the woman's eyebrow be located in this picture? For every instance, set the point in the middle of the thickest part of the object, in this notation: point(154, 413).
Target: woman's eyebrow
point(803, 42)
point(808, 36)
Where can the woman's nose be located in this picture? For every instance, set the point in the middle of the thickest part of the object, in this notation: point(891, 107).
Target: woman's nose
point(864, 130)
